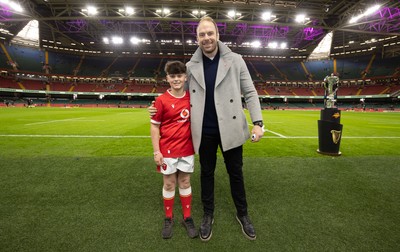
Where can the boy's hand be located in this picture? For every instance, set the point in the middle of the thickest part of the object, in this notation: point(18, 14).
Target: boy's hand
point(158, 158)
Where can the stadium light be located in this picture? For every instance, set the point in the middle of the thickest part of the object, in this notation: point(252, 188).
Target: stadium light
point(272, 45)
point(301, 18)
point(199, 13)
point(91, 10)
point(13, 5)
point(233, 14)
point(163, 12)
point(255, 44)
point(129, 11)
point(117, 40)
point(371, 10)
point(267, 16)
point(135, 40)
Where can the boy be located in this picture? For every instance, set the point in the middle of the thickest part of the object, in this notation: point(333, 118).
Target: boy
point(173, 147)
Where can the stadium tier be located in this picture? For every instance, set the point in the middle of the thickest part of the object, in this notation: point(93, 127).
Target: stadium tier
point(30, 72)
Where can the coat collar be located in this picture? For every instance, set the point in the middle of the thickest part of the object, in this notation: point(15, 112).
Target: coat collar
point(198, 54)
point(225, 63)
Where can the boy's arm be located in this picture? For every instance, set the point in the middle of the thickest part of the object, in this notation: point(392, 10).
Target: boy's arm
point(155, 139)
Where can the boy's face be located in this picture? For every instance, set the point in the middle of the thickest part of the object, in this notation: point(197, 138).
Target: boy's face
point(176, 81)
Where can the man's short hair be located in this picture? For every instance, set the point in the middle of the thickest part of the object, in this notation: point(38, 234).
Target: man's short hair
point(209, 19)
point(175, 67)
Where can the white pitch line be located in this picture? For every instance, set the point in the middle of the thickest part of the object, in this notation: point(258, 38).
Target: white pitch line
point(55, 121)
point(64, 120)
point(343, 137)
point(280, 135)
point(73, 136)
point(277, 137)
point(275, 133)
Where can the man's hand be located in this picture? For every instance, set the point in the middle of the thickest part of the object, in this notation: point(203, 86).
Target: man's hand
point(257, 133)
point(152, 110)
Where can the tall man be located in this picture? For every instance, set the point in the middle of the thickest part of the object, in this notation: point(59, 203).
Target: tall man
point(217, 79)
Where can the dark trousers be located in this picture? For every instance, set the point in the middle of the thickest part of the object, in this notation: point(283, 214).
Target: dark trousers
point(233, 162)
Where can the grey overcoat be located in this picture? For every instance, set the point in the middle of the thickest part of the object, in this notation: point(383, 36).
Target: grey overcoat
point(233, 80)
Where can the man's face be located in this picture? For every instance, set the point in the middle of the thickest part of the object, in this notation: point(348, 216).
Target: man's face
point(207, 37)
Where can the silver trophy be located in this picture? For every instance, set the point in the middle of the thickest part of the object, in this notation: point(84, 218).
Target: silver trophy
point(331, 85)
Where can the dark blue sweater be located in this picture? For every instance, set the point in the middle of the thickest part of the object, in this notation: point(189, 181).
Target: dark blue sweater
point(210, 119)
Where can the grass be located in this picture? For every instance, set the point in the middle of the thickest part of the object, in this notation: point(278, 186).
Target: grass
point(84, 180)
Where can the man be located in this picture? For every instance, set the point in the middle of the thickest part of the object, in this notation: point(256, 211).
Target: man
point(217, 78)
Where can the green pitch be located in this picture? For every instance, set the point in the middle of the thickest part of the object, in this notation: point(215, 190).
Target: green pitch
point(84, 180)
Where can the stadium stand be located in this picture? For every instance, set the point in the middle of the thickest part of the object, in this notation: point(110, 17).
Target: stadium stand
point(319, 69)
point(95, 66)
point(352, 68)
point(4, 61)
point(28, 59)
point(133, 75)
point(63, 63)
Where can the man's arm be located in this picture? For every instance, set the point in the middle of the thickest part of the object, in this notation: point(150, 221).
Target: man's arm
point(152, 109)
point(253, 103)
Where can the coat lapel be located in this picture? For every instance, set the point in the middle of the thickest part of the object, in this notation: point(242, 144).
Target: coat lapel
point(225, 62)
point(197, 68)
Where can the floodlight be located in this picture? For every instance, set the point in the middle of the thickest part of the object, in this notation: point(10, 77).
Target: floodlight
point(129, 11)
point(273, 45)
point(91, 10)
point(117, 40)
point(233, 14)
point(199, 13)
point(163, 11)
point(256, 44)
point(353, 20)
point(106, 41)
point(372, 10)
point(368, 12)
point(135, 40)
point(15, 6)
point(266, 16)
point(300, 18)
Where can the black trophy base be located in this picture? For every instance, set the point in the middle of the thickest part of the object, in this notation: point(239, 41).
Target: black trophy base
point(329, 132)
point(329, 153)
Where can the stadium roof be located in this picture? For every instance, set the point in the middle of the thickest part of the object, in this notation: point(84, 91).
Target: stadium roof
point(161, 27)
